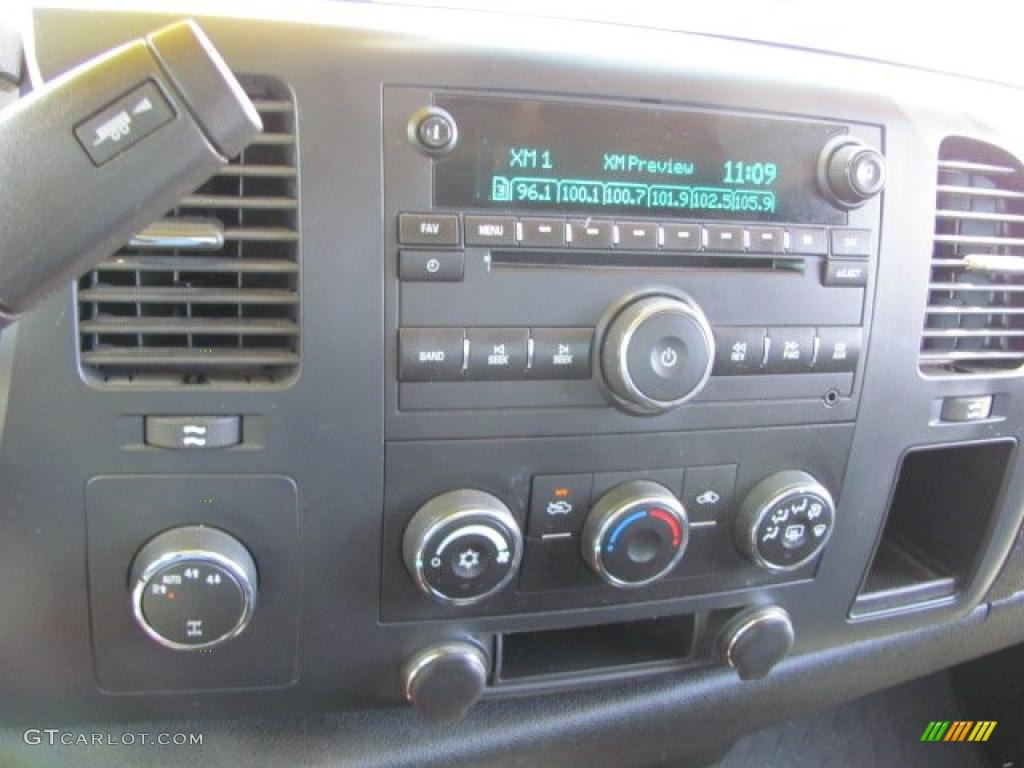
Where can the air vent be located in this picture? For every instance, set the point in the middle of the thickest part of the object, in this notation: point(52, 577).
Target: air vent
point(210, 294)
point(975, 315)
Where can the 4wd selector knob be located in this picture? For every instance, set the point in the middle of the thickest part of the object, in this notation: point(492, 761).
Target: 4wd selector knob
point(462, 546)
point(657, 352)
point(193, 587)
point(635, 534)
point(785, 521)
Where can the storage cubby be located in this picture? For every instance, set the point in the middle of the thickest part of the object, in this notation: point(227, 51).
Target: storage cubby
point(942, 507)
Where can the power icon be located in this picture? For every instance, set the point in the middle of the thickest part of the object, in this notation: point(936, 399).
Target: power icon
point(669, 357)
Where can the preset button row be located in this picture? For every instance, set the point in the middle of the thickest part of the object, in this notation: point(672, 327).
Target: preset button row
point(602, 234)
point(490, 354)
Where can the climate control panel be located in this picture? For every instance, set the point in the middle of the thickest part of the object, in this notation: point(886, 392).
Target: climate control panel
point(509, 541)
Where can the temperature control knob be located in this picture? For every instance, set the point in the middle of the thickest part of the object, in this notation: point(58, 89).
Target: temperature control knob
point(462, 547)
point(635, 534)
point(785, 521)
point(657, 352)
point(193, 587)
point(850, 172)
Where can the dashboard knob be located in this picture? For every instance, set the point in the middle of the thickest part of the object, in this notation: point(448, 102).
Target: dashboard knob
point(193, 587)
point(850, 172)
point(755, 640)
point(442, 682)
point(785, 521)
point(635, 534)
point(462, 546)
point(657, 352)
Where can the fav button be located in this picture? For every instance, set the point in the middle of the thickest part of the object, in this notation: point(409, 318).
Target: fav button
point(428, 229)
point(558, 504)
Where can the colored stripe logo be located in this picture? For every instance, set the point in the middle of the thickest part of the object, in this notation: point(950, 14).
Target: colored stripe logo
point(958, 730)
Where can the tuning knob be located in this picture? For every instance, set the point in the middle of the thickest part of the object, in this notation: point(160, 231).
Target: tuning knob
point(657, 353)
point(635, 534)
point(445, 680)
point(193, 587)
point(755, 640)
point(462, 546)
point(850, 172)
point(785, 521)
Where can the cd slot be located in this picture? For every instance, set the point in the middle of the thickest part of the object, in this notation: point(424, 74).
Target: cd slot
point(662, 260)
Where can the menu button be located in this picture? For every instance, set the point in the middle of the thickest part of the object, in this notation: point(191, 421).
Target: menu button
point(490, 230)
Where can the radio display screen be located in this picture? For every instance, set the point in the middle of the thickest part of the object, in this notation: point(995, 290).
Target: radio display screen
point(559, 157)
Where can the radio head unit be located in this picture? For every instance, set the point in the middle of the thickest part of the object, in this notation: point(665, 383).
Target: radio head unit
point(581, 263)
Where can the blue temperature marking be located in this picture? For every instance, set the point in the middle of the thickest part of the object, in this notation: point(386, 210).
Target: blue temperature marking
point(622, 526)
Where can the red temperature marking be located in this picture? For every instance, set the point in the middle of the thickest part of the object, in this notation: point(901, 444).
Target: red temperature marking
point(671, 522)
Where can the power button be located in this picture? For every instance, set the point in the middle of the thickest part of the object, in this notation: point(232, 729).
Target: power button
point(433, 131)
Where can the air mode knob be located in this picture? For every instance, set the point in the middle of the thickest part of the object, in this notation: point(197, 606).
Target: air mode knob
point(785, 521)
point(657, 353)
point(635, 534)
point(462, 546)
point(850, 172)
point(193, 588)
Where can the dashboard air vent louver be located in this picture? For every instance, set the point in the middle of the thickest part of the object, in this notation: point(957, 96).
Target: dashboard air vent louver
point(975, 315)
point(211, 293)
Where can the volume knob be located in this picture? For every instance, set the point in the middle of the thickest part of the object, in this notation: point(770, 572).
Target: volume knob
point(657, 353)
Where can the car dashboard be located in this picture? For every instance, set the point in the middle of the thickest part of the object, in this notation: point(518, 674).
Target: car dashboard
point(615, 391)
